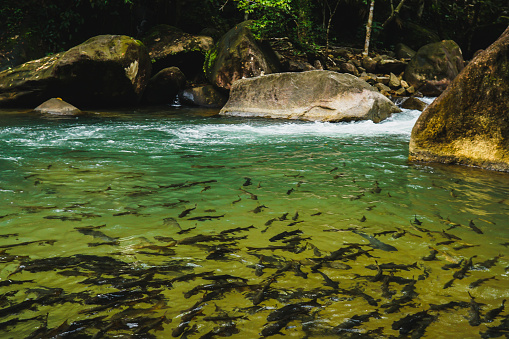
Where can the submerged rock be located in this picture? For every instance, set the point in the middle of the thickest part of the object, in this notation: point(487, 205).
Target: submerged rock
point(434, 66)
point(239, 55)
point(104, 70)
point(469, 123)
point(58, 107)
point(312, 95)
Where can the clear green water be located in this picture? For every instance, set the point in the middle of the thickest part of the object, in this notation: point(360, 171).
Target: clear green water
point(91, 209)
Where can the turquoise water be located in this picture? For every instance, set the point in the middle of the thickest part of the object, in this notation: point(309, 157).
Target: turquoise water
point(100, 214)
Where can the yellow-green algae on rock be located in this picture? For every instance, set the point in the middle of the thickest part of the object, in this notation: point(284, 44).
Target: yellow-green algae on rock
point(469, 123)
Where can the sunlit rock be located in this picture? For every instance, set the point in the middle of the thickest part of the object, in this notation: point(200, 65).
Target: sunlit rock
point(312, 95)
point(57, 106)
point(469, 123)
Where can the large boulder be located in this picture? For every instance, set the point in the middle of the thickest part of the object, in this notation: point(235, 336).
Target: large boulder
point(56, 106)
point(169, 46)
point(469, 123)
point(434, 66)
point(239, 55)
point(104, 70)
point(312, 95)
point(163, 87)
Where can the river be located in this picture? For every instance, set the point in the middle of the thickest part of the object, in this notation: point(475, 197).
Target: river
point(169, 222)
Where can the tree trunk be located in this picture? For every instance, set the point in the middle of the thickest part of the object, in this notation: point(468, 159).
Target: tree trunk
point(368, 28)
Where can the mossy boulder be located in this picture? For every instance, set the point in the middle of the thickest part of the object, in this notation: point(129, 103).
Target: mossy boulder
point(163, 87)
point(169, 46)
point(311, 95)
point(469, 123)
point(239, 55)
point(434, 66)
point(106, 70)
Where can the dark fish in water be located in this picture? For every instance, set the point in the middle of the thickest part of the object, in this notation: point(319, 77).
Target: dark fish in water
point(247, 182)
point(386, 292)
point(393, 266)
point(480, 281)
point(432, 256)
point(251, 195)
point(91, 230)
point(187, 230)
point(236, 201)
point(224, 277)
point(40, 242)
point(416, 221)
point(328, 281)
point(474, 228)
point(275, 327)
point(490, 263)
point(375, 243)
point(260, 295)
point(236, 229)
point(272, 248)
point(62, 218)
point(206, 217)
point(270, 221)
point(448, 242)
point(358, 292)
point(332, 170)
point(355, 321)
point(295, 216)
point(363, 219)
point(283, 217)
point(315, 214)
point(164, 239)
point(298, 272)
point(292, 309)
point(379, 274)
point(290, 191)
point(200, 238)
point(259, 208)
point(457, 248)
point(452, 265)
point(461, 273)
point(295, 223)
point(285, 234)
point(190, 276)
point(384, 233)
point(411, 322)
point(376, 188)
point(187, 211)
point(449, 305)
point(449, 236)
point(492, 314)
point(9, 235)
point(474, 312)
point(449, 283)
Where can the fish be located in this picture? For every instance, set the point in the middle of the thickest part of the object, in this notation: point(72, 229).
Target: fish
point(449, 283)
point(363, 219)
point(375, 243)
point(386, 292)
point(298, 272)
point(379, 274)
point(285, 234)
point(328, 281)
point(449, 305)
point(449, 236)
point(251, 195)
point(206, 217)
point(452, 265)
point(383, 233)
point(480, 281)
point(237, 229)
point(489, 263)
point(247, 182)
point(190, 276)
point(236, 201)
point(259, 208)
point(260, 295)
point(187, 211)
point(271, 248)
point(295, 223)
point(292, 309)
point(461, 273)
point(274, 327)
point(474, 228)
point(270, 221)
point(187, 230)
point(283, 217)
point(416, 221)
point(474, 312)
point(295, 216)
point(62, 218)
point(492, 314)
point(334, 169)
point(432, 256)
point(355, 321)
point(410, 322)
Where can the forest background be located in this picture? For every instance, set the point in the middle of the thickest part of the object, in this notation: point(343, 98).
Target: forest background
point(31, 29)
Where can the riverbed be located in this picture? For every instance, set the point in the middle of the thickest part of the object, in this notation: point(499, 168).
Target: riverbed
point(174, 222)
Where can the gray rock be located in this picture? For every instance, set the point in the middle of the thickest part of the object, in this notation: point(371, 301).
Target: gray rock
point(56, 106)
point(313, 95)
point(414, 104)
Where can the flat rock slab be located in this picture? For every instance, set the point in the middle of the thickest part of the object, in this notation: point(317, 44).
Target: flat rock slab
point(313, 96)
